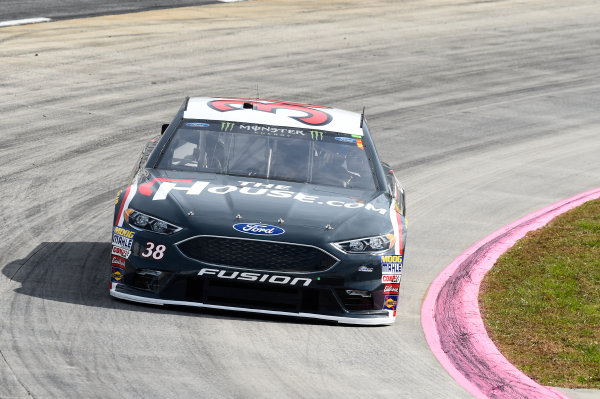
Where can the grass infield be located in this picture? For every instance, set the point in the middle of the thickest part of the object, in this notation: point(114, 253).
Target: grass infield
point(540, 303)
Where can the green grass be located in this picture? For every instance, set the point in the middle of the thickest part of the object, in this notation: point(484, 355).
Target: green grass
point(541, 301)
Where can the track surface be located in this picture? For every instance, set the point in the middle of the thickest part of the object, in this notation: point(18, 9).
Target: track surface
point(487, 110)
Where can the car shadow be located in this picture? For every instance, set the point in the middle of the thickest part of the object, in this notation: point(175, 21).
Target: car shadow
point(79, 273)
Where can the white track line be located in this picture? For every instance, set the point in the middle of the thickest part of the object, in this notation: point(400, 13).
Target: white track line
point(24, 21)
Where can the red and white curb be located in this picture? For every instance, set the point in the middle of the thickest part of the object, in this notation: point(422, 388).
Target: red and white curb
point(452, 323)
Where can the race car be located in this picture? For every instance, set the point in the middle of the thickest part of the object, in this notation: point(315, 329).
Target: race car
point(262, 206)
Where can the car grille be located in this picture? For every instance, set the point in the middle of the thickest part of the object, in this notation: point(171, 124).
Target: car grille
point(256, 254)
point(353, 302)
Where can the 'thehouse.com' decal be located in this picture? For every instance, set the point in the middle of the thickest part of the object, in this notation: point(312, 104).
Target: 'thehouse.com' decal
point(248, 188)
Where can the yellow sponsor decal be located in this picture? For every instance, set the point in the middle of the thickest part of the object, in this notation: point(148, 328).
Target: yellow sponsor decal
point(391, 258)
point(118, 195)
point(117, 275)
point(124, 232)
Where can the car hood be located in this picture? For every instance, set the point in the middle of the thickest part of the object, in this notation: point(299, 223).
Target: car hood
point(213, 198)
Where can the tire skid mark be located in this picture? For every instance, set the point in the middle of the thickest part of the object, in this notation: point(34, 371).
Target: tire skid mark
point(452, 323)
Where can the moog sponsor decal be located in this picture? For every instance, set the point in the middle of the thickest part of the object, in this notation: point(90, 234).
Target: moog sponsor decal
point(391, 264)
point(246, 188)
point(122, 238)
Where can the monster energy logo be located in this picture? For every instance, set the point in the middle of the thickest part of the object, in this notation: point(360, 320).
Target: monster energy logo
point(316, 135)
point(227, 126)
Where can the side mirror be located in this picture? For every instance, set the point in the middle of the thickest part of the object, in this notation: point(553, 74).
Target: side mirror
point(164, 127)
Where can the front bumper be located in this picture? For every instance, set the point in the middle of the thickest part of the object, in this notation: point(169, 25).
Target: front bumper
point(350, 292)
point(373, 317)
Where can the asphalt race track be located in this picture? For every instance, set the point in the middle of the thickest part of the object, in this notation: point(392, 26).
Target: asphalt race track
point(487, 110)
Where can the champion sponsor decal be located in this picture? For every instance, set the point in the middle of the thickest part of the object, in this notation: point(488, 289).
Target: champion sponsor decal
point(312, 115)
point(256, 277)
point(390, 302)
point(391, 289)
point(123, 253)
point(258, 229)
point(117, 261)
point(246, 188)
point(391, 264)
point(389, 278)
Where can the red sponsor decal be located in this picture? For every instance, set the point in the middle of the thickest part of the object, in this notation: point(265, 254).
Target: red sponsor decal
point(313, 116)
point(146, 188)
point(391, 278)
point(120, 252)
point(392, 289)
point(117, 261)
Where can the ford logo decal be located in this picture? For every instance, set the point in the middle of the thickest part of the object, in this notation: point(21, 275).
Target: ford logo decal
point(346, 139)
point(197, 124)
point(258, 229)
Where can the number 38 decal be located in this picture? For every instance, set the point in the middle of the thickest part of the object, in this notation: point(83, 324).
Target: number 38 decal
point(156, 253)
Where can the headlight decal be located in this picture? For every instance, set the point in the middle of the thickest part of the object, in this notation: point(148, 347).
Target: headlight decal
point(141, 221)
point(129, 194)
point(375, 244)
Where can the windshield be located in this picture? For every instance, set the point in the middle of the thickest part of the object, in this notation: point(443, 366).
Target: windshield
point(271, 152)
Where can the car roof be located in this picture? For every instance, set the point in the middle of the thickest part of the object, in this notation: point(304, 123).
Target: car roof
point(274, 112)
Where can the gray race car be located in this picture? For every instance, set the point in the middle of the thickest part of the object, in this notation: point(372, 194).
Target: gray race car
point(262, 206)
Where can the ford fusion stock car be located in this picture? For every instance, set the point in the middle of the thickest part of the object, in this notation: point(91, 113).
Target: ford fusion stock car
point(262, 206)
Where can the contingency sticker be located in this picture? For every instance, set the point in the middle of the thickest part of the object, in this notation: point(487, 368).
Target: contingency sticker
point(391, 264)
point(390, 278)
point(117, 261)
point(123, 238)
point(123, 253)
point(117, 275)
point(391, 289)
point(390, 302)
